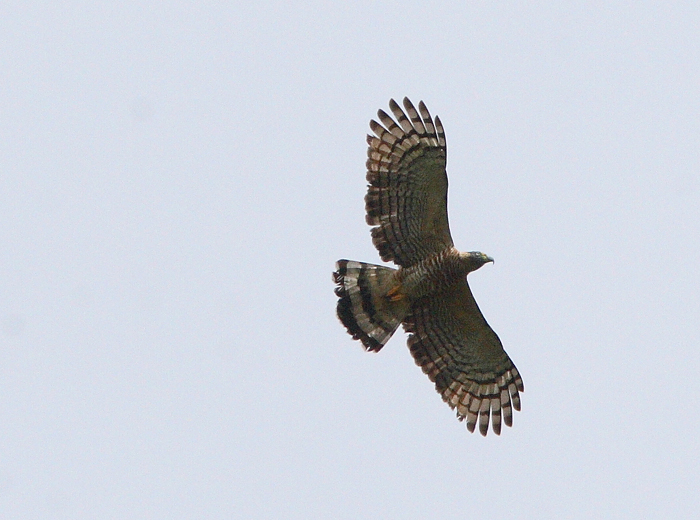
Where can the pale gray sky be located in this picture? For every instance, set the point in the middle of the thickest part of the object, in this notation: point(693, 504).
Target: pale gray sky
point(177, 181)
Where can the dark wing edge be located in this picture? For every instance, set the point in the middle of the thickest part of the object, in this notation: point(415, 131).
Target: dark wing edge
point(455, 347)
point(407, 194)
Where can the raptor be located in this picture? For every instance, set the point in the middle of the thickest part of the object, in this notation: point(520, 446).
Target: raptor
point(406, 203)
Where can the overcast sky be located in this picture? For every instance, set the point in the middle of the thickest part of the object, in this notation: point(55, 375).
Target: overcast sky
point(177, 181)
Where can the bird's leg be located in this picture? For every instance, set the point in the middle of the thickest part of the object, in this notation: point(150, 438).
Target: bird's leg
point(394, 294)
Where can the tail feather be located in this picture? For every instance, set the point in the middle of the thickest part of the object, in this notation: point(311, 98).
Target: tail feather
point(364, 306)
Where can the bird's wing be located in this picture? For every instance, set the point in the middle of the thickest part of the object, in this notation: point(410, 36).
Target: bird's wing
point(451, 341)
point(407, 194)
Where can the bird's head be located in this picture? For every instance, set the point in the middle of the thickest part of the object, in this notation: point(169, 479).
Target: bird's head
point(475, 259)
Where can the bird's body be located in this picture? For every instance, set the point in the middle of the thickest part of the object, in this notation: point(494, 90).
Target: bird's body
point(437, 273)
point(449, 337)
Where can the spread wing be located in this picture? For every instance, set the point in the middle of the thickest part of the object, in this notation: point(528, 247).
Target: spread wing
point(407, 195)
point(451, 341)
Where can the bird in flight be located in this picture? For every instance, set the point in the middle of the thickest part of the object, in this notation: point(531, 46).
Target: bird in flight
point(406, 203)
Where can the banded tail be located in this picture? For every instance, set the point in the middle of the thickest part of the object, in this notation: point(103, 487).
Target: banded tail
point(365, 305)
